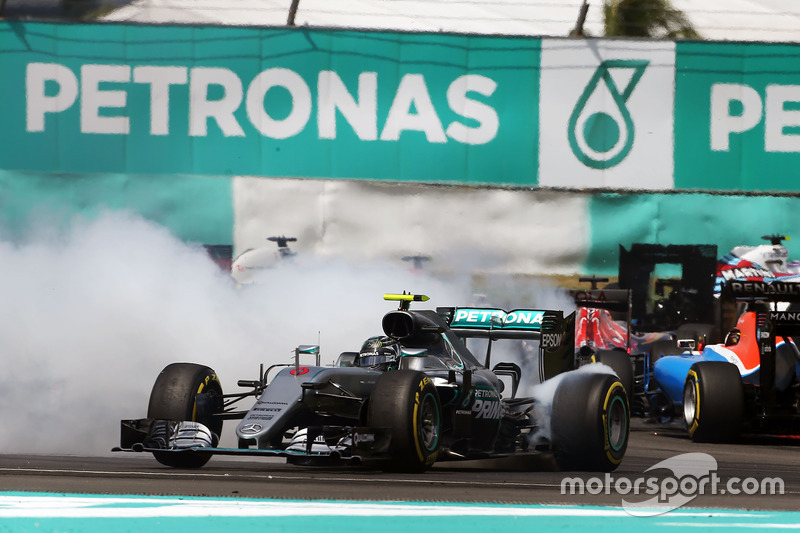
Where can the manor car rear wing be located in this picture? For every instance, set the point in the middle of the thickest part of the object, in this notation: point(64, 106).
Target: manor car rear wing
point(777, 322)
point(755, 291)
point(770, 322)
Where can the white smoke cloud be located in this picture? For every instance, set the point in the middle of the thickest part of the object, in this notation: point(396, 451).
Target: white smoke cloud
point(94, 310)
point(544, 393)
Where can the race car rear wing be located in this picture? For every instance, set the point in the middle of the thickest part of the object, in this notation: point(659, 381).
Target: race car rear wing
point(555, 333)
point(753, 291)
point(493, 323)
point(783, 322)
point(610, 299)
point(620, 300)
point(770, 321)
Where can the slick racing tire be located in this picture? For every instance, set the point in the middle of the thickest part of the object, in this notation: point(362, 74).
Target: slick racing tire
point(175, 397)
point(590, 422)
point(713, 402)
point(661, 348)
point(620, 362)
point(407, 402)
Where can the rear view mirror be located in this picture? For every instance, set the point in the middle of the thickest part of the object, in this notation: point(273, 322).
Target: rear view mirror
point(413, 352)
point(687, 344)
point(306, 349)
point(347, 359)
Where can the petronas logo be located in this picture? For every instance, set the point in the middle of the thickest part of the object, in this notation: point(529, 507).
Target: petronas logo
point(601, 135)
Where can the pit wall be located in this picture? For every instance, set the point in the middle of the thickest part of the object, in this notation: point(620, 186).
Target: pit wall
point(511, 154)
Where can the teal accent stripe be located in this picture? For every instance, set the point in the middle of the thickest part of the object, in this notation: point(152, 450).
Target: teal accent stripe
point(196, 515)
point(494, 524)
point(480, 318)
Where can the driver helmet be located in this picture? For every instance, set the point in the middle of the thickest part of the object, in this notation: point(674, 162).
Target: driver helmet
point(733, 336)
point(379, 352)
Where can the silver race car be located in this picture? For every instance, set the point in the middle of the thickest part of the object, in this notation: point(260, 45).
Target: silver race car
point(409, 398)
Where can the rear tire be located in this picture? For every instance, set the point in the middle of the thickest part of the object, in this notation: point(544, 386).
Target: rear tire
point(620, 362)
point(590, 422)
point(174, 397)
point(713, 402)
point(661, 348)
point(407, 402)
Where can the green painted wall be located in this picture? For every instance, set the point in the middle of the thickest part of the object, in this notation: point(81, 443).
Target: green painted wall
point(686, 218)
point(194, 208)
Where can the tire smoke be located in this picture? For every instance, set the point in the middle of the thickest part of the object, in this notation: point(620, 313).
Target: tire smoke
point(95, 308)
point(93, 312)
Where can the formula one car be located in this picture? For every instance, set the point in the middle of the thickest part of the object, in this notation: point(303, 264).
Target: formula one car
point(409, 398)
point(749, 383)
point(628, 324)
point(246, 266)
point(417, 260)
point(765, 262)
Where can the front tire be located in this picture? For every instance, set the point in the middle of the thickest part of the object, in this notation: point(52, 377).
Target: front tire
point(175, 397)
point(407, 402)
point(590, 422)
point(713, 402)
point(660, 349)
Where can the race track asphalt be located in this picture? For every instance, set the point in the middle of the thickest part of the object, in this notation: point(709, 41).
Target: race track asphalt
point(754, 460)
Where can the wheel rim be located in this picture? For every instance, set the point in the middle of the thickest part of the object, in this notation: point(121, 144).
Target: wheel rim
point(429, 423)
point(205, 416)
point(617, 423)
point(690, 403)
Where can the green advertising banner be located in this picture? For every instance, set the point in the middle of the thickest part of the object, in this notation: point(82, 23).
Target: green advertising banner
point(104, 98)
point(737, 117)
point(580, 114)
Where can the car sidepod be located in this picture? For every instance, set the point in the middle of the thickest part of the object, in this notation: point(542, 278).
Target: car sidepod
point(305, 395)
point(670, 372)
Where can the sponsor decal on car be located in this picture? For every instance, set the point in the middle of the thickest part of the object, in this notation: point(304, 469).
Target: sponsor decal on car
point(551, 340)
point(486, 405)
point(759, 288)
point(783, 316)
point(497, 318)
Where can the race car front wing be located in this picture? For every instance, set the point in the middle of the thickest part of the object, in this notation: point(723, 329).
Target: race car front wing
point(344, 443)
